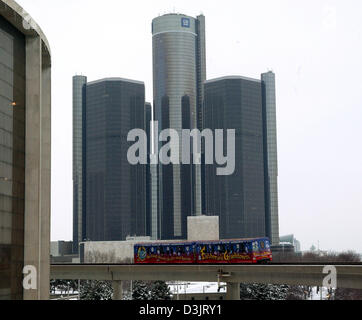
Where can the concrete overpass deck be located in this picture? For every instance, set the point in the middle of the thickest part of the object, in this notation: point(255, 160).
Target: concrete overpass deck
point(347, 276)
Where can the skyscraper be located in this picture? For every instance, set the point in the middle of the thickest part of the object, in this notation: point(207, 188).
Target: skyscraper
point(109, 190)
point(25, 153)
point(115, 193)
point(179, 70)
point(79, 96)
point(270, 122)
point(239, 199)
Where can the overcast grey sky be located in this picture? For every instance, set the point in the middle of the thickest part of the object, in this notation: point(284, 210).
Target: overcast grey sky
point(313, 46)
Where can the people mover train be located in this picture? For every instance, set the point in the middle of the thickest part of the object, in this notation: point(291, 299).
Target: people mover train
point(249, 251)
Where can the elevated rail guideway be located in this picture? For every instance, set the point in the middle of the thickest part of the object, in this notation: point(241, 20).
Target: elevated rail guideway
point(347, 276)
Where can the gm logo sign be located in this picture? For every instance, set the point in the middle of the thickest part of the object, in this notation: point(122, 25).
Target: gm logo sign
point(185, 22)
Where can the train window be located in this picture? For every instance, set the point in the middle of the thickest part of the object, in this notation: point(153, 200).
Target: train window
point(262, 246)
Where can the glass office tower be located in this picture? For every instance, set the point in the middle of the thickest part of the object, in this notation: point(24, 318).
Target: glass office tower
point(115, 192)
point(12, 159)
point(238, 199)
point(25, 153)
point(179, 70)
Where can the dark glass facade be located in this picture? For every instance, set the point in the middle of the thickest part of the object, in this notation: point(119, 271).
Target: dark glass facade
point(179, 70)
point(238, 199)
point(115, 194)
point(12, 160)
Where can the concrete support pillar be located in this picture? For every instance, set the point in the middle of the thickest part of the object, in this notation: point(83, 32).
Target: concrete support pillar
point(117, 290)
point(37, 169)
point(45, 180)
point(233, 291)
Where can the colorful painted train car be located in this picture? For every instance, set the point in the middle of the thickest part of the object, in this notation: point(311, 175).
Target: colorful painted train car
point(256, 250)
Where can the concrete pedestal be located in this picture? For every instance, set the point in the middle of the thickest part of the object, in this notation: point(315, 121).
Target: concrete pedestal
point(117, 290)
point(233, 291)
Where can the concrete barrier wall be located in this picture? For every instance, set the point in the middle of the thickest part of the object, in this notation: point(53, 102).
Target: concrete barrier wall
point(109, 252)
point(200, 228)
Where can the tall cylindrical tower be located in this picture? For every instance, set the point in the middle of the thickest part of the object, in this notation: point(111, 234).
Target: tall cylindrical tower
point(179, 70)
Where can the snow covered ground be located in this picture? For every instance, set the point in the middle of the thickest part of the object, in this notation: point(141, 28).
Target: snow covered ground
point(182, 287)
point(195, 287)
point(317, 296)
point(211, 287)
